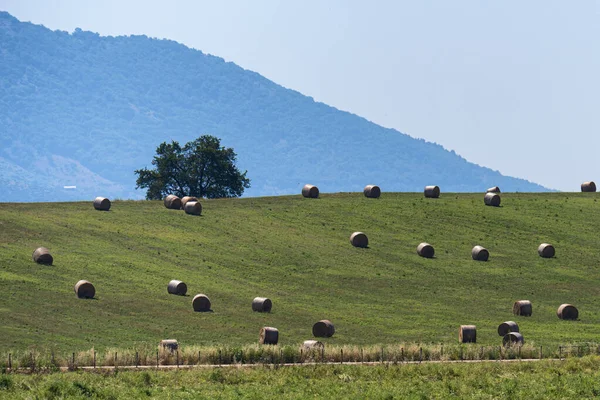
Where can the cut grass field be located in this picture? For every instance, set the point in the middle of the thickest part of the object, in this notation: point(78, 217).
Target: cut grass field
point(572, 379)
point(296, 252)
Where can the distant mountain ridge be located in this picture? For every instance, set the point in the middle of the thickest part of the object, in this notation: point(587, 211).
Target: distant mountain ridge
point(85, 110)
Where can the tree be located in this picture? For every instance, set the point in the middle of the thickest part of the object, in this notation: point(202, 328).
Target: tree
point(201, 168)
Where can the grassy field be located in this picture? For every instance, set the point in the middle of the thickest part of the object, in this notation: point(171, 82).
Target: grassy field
point(296, 251)
point(572, 379)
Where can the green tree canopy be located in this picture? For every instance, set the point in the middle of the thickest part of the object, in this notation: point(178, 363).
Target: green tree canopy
point(201, 168)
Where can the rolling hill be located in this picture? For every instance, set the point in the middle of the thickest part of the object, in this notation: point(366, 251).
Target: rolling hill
point(79, 109)
point(296, 251)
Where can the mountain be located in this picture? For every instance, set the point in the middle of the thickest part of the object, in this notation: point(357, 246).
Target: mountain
point(85, 110)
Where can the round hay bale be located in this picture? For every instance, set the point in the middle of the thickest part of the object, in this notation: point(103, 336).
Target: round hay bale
point(588, 186)
point(467, 334)
point(268, 335)
point(492, 199)
point(201, 303)
point(425, 250)
point(102, 204)
point(494, 189)
point(546, 250)
point(85, 290)
point(359, 239)
point(480, 253)
point(312, 345)
point(42, 255)
point(261, 304)
point(372, 191)
point(185, 199)
point(172, 202)
point(432, 192)
point(567, 311)
point(513, 339)
point(523, 308)
point(177, 287)
point(193, 208)
point(169, 344)
point(323, 328)
point(310, 191)
point(506, 327)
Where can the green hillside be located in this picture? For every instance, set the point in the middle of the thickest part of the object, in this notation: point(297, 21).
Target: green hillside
point(296, 251)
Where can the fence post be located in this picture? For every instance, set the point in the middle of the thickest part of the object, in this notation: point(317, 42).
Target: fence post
point(220, 362)
point(560, 352)
point(541, 352)
point(32, 366)
point(519, 352)
point(323, 354)
point(281, 356)
point(198, 357)
point(177, 358)
point(401, 354)
point(9, 361)
point(362, 360)
point(382, 354)
point(341, 356)
point(116, 359)
point(137, 359)
point(461, 352)
point(94, 359)
point(73, 364)
point(442, 351)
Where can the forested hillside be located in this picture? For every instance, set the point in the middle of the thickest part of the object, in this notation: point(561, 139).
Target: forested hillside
point(85, 110)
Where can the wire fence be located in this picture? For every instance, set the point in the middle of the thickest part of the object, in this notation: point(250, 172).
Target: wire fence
point(146, 356)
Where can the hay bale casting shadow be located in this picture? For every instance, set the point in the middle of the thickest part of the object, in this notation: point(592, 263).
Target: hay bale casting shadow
point(372, 191)
point(506, 327)
point(513, 339)
point(588, 186)
point(268, 335)
point(185, 199)
point(492, 199)
point(310, 191)
point(359, 239)
point(523, 308)
point(323, 328)
point(432, 192)
point(546, 250)
point(42, 255)
point(480, 253)
point(85, 290)
point(169, 344)
point(177, 287)
point(467, 334)
point(102, 204)
point(425, 250)
point(567, 311)
point(193, 208)
point(201, 303)
point(261, 304)
point(172, 202)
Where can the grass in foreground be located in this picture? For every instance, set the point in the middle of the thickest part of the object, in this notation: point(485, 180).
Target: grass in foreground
point(296, 251)
point(572, 379)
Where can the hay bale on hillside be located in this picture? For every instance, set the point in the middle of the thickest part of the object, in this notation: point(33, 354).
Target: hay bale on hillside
point(513, 339)
point(432, 192)
point(588, 186)
point(480, 253)
point(42, 255)
point(323, 328)
point(177, 287)
point(172, 202)
point(506, 327)
point(85, 290)
point(268, 335)
point(494, 189)
point(261, 304)
point(359, 239)
point(201, 303)
point(567, 311)
point(102, 204)
point(546, 250)
point(193, 208)
point(425, 250)
point(492, 199)
point(185, 199)
point(169, 344)
point(467, 334)
point(523, 308)
point(310, 191)
point(372, 191)
point(312, 345)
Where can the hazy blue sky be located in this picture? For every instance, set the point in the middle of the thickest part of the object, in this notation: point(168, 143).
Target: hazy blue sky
point(512, 85)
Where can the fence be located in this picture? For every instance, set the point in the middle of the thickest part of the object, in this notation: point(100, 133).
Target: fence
point(146, 356)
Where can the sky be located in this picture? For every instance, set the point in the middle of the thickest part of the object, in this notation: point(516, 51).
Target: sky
point(511, 85)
